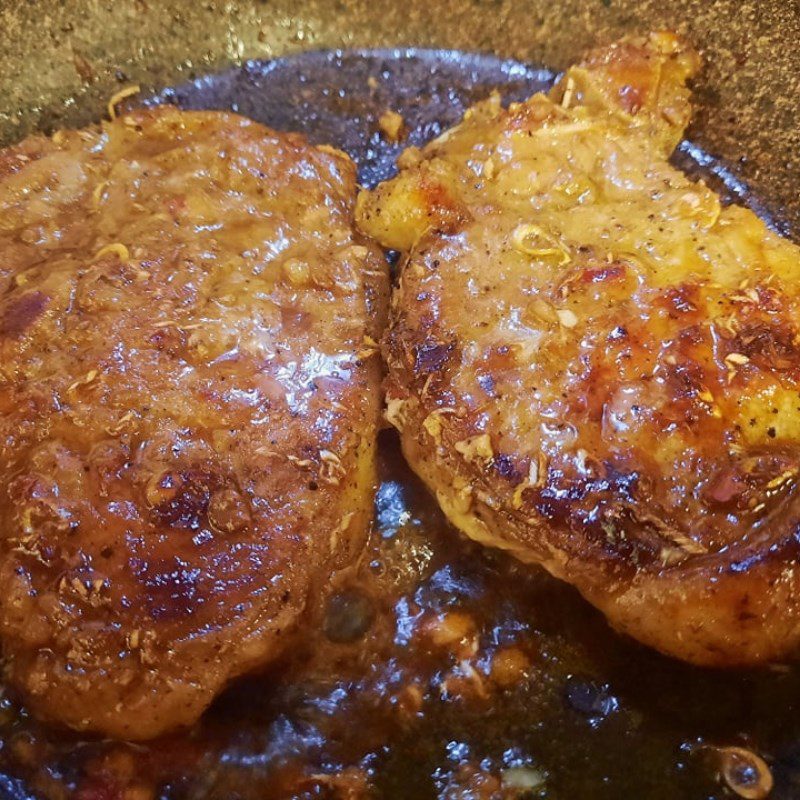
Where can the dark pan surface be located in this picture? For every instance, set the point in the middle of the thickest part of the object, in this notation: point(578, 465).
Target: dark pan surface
point(596, 717)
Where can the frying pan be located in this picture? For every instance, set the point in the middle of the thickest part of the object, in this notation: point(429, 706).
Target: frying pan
point(59, 63)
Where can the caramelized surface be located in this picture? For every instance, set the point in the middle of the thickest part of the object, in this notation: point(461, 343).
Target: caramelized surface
point(189, 399)
point(594, 365)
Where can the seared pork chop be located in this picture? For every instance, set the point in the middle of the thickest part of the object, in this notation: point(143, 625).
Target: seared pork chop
point(188, 408)
point(594, 365)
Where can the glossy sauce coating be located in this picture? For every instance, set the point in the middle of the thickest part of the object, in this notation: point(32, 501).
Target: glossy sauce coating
point(594, 364)
point(188, 406)
point(475, 676)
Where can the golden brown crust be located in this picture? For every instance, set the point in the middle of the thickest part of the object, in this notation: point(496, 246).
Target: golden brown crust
point(188, 398)
point(596, 367)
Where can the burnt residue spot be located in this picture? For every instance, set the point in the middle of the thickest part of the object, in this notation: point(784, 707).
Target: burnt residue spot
point(21, 312)
point(431, 357)
point(348, 616)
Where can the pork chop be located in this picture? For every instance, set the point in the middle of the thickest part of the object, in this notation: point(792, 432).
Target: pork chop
point(594, 364)
point(188, 406)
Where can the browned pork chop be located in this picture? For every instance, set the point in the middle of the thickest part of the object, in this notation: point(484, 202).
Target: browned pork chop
point(595, 366)
point(188, 408)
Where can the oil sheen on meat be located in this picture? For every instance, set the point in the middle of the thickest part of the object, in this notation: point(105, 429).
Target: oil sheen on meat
point(595, 366)
point(188, 405)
